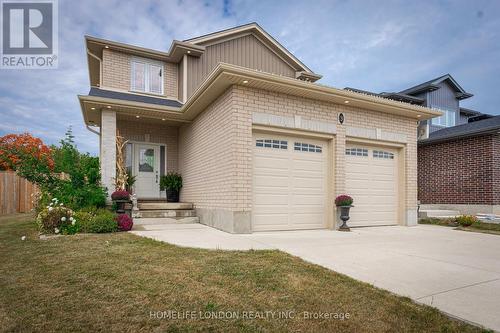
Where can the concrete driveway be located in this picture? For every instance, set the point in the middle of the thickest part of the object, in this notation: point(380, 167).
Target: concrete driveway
point(455, 271)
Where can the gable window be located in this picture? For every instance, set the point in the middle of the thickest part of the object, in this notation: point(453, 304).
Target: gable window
point(447, 119)
point(146, 76)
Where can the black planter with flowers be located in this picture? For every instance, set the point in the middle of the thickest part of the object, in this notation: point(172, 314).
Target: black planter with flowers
point(344, 202)
point(120, 198)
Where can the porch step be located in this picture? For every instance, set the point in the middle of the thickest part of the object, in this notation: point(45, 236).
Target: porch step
point(159, 205)
point(172, 213)
point(438, 213)
point(165, 220)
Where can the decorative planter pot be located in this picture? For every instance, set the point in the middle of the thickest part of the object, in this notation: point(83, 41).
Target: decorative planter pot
point(120, 205)
point(172, 196)
point(344, 216)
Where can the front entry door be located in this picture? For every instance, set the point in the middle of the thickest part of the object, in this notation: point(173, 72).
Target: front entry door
point(147, 170)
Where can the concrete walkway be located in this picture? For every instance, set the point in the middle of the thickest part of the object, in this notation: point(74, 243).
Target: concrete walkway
point(455, 271)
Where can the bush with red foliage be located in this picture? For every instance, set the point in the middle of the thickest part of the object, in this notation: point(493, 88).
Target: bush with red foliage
point(343, 200)
point(120, 195)
point(14, 148)
point(125, 222)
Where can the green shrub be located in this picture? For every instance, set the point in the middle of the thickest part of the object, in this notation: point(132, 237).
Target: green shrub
point(96, 220)
point(57, 219)
point(171, 181)
point(466, 220)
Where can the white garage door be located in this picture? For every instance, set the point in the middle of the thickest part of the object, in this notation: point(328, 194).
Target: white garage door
point(289, 183)
point(372, 181)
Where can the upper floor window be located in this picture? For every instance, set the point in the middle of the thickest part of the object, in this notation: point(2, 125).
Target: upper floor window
point(447, 119)
point(146, 76)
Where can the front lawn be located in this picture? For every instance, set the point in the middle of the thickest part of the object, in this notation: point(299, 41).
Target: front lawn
point(124, 283)
point(488, 228)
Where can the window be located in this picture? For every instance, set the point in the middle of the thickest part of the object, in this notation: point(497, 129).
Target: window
point(383, 154)
point(301, 146)
point(269, 143)
point(146, 160)
point(447, 119)
point(356, 151)
point(146, 76)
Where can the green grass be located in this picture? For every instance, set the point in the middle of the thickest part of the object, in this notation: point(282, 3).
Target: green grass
point(488, 228)
point(112, 283)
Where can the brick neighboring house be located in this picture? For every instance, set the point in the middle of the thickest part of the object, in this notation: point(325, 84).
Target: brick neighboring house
point(459, 168)
point(260, 146)
point(458, 152)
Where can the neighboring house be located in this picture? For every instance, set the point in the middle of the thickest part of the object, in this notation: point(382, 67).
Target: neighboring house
point(260, 146)
point(458, 152)
point(459, 168)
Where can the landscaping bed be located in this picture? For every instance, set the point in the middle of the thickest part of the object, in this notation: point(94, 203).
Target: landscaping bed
point(475, 226)
point(118, 282)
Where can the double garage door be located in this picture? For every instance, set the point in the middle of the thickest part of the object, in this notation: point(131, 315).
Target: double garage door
point(290, 183)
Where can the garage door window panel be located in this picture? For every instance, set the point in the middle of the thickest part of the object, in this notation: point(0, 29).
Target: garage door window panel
point(271, 143)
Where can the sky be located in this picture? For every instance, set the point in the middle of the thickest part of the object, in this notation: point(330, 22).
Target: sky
point(371, 45)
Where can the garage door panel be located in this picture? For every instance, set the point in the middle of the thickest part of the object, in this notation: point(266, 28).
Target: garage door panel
point(271, 199)
point(288, 185)
point(271, 181)
point(372, 182)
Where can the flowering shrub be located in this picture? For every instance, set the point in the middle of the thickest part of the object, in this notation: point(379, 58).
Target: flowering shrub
point(343, 200)
point(120, 195)
point(466, 220)
point(57, 219)
point(124, 222)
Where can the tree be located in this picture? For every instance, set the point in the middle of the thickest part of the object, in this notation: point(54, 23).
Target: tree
point(28, 156)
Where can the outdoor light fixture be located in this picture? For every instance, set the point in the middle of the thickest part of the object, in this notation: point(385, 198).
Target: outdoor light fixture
point(92, 109)
point(138, 116)
point(346, 102)
point(109, 106)
point(189, 52)
point(245, 81)
point(106, 47)
point(163, 119)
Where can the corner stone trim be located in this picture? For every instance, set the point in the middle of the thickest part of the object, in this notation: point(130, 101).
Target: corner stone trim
point(294, 122)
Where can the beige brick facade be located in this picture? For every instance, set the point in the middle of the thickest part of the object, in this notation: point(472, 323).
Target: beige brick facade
point(216, 149)
point(116, 73)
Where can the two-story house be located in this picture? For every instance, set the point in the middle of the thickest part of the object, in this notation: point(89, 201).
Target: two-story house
point(259, 144)
point(458, 152)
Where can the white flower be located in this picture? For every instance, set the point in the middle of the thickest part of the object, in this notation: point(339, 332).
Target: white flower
point(54, 199)
point(73, 223)
point(56, 230)
point(61, 204)
point(63, 218)
point(71, 218)
point(23, 238)
point(50, 208)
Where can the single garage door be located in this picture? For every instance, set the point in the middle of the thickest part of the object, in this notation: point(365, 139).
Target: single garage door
point(372, 181)
point(289, 183)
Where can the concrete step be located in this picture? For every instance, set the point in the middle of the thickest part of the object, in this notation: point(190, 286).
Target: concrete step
point(438, 213)
point(165, 220)
point(164, 205)
point(172, 213)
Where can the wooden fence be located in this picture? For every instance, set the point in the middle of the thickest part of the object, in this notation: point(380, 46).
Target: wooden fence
point(16, 193)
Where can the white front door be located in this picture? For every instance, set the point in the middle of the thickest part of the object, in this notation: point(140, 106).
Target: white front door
point(147, 171)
